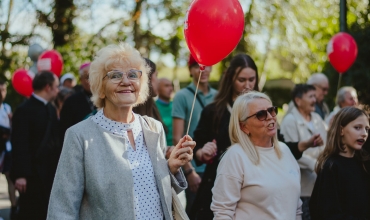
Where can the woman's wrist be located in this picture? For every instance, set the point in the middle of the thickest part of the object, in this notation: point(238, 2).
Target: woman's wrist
point(302, 146)
point(188, 172)
point(173, 168)
point(199, 154)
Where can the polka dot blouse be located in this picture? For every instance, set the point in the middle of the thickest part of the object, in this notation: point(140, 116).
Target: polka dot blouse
point(147, 202)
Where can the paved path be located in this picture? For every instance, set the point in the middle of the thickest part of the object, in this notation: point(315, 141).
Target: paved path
point(4, 199)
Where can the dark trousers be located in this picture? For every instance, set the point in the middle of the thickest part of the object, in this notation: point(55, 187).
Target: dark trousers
point(190, 197)
point(33, 204)
point(305, 208)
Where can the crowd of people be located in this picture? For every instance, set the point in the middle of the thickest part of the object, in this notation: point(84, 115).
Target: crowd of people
point(115, 146)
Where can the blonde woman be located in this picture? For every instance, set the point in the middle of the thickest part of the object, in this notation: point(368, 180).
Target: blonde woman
point(113, 165)
point(258, 177)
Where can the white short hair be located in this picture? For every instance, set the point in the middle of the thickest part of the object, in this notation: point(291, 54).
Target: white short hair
point(109, 57)
point(317, 78)
point(342, 92)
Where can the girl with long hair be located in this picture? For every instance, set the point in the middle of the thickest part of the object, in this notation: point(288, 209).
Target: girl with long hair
point(149, 108)
point(211, 135)
point(342, 187)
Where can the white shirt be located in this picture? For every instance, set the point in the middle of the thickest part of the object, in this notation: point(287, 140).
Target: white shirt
point(40, 98)
point(147, 202)
point(269, 190)
point(5, 110)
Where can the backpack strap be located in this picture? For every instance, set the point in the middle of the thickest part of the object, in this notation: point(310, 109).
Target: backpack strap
point(198, 98)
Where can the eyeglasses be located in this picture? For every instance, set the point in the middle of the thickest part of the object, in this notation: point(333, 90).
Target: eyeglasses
point(116, 76)
point(262, 115)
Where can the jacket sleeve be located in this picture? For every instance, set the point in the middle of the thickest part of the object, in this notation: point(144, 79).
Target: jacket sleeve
point(227, 189)
point(289, 129)
point(203, 132)
point(68, 188)
point(178, 181)
point(293, 146)
point(290, 132)
point(21, 153)
point(299, 210)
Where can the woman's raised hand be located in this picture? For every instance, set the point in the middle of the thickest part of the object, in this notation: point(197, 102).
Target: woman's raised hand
point(209, 151)
point(181, 154)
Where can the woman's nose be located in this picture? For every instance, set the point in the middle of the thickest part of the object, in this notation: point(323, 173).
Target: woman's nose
point(125, 80)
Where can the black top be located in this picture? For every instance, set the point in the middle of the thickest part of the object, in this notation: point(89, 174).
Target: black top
point(29, 124)
point(341, 191)
point(74, 110)
point(207, 131)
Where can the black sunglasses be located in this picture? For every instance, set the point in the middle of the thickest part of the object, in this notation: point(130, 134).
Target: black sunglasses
point(262, 115)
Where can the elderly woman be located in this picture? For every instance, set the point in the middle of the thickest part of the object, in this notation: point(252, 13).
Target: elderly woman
point(113, 165)
point(346, 96)
point(258, 177)
point(300, 124)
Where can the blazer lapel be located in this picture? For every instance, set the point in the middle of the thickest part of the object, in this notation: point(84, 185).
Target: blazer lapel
point(151, 141)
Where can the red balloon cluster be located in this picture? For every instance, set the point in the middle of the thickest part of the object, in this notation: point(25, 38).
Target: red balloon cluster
point(22, 82)
point(212, 29)
point(342, 51)
point(49, 60)
point(52, 61)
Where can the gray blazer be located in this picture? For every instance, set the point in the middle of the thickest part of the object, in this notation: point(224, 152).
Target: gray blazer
point(94, 179)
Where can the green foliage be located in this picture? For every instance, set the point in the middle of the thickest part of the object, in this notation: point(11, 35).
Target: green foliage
point(286, 38)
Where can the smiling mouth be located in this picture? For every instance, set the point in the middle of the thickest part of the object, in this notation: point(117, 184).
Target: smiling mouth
point(271, 125)
point(125, 91)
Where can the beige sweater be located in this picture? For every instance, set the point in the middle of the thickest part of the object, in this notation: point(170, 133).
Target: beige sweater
point(295, 129)
point(269, 190)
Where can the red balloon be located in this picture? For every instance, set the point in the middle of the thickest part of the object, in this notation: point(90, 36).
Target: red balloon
point(212, 29)
point(52, 61)
point(342, 51)
point(22, 82)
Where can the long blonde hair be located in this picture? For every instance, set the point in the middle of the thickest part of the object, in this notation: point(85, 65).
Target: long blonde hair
point(239, 114)
point(334, 143)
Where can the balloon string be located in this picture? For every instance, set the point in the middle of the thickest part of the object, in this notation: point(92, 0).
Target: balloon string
point(195, 95)
point(339, 81)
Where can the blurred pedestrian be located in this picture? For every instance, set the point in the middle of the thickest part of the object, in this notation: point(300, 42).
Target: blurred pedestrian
point(164, 105)
point(6, 147)
point(181, 108)
point(301, 124)
point(321, 83)
point(148, 107)
point(35, 147)
point(78, 106)
point(212, 132)
point(63, 94)
point(68, 80)
point(346, 96)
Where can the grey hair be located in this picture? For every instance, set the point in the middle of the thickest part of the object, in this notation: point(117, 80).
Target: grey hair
point(317, 78)
point(342, 92)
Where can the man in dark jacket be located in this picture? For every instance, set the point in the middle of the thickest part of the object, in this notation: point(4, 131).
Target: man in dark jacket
point(35, 147)
point(78, 106)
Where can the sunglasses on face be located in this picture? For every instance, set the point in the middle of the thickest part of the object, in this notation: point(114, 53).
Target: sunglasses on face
point(262, 115)
point(116, 76)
